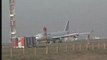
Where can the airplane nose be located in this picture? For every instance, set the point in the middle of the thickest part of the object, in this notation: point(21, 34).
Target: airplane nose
point(37, 38)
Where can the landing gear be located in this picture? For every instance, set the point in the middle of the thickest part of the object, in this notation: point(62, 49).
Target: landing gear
point(54, 41)
point(60, 41)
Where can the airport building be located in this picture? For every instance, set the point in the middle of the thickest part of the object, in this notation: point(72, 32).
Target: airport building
point(25, 42)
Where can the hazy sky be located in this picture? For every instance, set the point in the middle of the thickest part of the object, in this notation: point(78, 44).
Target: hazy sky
point(33, 15)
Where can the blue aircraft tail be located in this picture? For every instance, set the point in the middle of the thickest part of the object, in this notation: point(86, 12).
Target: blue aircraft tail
point(67, 26)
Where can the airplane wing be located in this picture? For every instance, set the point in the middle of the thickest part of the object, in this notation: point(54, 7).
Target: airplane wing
point(70, 35)
point(62, 36)
point(77, 34)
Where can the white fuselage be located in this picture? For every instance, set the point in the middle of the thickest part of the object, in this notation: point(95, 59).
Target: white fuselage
point(50, 35)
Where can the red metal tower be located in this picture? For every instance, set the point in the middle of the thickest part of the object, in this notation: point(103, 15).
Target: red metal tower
point(12, 22)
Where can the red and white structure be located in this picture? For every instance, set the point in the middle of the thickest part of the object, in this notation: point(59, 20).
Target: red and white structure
point(13, 38)
point(21, 42)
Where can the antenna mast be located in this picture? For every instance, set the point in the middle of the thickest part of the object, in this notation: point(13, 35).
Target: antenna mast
point(12, 21)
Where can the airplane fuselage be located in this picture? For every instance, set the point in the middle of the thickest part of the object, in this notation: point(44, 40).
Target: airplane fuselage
point(50, 36)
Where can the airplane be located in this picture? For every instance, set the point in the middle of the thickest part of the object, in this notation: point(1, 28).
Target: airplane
point(57, 36)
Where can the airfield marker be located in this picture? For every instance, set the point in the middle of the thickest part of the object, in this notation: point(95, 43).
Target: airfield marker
point(11, 50)
point(98, 45)
point(92, 46)
point(57, 49)
point(34, 53)
point(11, 53)
point(35, 50)
point(47, 50)
point(80, 47)
point(104, 46)
point(66, 47)
point(73, 47)
point(87, 46)
point(23, 52)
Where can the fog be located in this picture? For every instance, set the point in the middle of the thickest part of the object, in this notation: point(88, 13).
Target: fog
point(33, 15)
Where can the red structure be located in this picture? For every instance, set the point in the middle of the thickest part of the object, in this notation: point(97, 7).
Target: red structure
point(45, 29)
point(15, 43)
point(13, 37)
point(45, 33)
point(22, 41)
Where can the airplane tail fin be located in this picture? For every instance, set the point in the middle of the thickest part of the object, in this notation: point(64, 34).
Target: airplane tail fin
point(45, 30)
point(67, 26)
